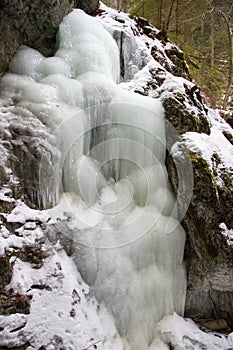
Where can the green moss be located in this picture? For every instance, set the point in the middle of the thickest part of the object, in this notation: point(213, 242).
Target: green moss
point(200, 164)
point(216, 158)
point(204, 124)
point(227, 178)
point(204, 220)
point(177, 57)
point(216, 161)
point(177, 114)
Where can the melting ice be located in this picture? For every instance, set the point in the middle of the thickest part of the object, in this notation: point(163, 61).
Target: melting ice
point(113, 178)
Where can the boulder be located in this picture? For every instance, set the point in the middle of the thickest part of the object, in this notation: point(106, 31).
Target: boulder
point(88, 6)
point(33, 23)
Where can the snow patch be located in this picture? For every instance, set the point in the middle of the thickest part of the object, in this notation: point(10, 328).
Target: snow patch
point(183, 334)
point(228, 233)
point(62, 311)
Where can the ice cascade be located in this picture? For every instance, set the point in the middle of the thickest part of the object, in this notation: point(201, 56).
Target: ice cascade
point(114, 184)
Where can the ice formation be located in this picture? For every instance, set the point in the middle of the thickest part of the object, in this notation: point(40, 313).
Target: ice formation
point(114, 181)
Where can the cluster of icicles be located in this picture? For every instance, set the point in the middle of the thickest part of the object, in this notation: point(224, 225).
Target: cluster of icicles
point(114, 179)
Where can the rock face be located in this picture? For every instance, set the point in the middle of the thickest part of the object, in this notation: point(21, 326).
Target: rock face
point(33, 23)
point(208, 255)
point(88, 6)
point(27, 149)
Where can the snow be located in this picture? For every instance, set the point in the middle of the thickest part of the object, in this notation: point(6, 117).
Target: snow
point(215, 143)
point(21, 213)
point(61, 311)
point(228, 233)
point(214, 148)
point(183, 334)
point(4, 195)
point(65, 315)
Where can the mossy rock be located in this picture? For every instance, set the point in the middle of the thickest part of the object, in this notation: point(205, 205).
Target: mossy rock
point(205, 212)
point(177, 57)
point(178, 115)
point(202, 217)
point(204, 126)
point(225, 193)
point(5, 271)
point(159, 56)
point(182, 119)
point(88, 6)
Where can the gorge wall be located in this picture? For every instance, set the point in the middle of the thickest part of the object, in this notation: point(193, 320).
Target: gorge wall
point(33, 23)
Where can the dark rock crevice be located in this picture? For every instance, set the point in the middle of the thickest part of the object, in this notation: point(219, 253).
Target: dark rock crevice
point(34, 23)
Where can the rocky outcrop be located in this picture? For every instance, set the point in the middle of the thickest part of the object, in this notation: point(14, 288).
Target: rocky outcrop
point(28, 150)
point(33, 23)
point(208, 255)
point(88, 6)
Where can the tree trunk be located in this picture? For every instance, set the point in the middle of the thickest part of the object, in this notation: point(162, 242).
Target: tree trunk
point(169, 16)
point(139, 8)
point(230, 55)
point(212, 40)
point(119, 5)
point(160, 10)
point(177, 18)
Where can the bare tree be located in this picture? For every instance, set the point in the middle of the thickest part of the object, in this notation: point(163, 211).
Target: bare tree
point(160, 11)
point(169, 16)
point(230, 56)
point(212, 39)
point(119, 5)
point(177, 18)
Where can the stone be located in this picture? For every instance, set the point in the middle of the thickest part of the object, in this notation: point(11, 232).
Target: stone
point(209, 258)
point(32, 23)
point(214, 325)
point(183, 119)
point(89, 7)
point(11, 303)
point(177, 57)
point(6, 271)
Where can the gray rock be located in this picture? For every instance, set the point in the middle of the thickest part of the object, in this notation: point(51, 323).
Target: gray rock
point(209, 258)
point(6, 271)
point(88, 6)
point(33, 23)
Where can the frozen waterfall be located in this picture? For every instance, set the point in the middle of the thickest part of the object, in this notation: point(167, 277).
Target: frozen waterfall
point(113, 182)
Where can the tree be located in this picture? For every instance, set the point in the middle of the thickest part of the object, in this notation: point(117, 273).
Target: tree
point(203, 29)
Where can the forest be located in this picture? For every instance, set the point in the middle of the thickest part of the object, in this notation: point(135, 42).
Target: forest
point(203, 30)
